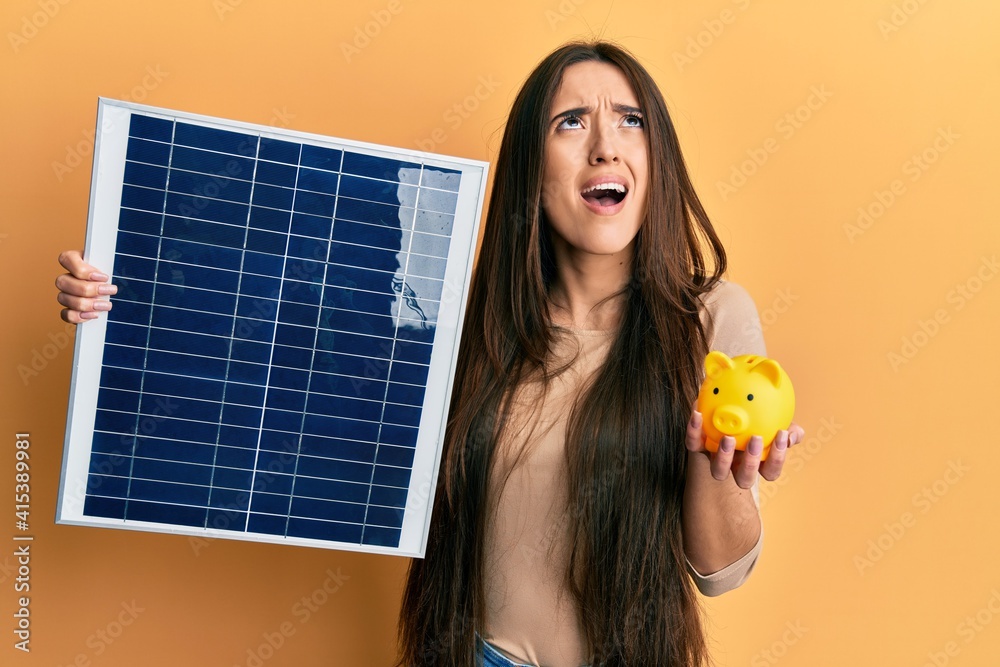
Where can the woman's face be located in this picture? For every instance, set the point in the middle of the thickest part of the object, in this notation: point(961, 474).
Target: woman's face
point(596, 169)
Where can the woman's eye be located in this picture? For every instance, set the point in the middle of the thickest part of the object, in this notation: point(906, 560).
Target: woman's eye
point(632, 120)
point(569, 123)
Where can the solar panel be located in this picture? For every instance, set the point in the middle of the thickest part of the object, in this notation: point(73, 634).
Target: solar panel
point(278, 362)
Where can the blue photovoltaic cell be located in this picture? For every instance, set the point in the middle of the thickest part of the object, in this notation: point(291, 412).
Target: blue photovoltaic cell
point(265, 363)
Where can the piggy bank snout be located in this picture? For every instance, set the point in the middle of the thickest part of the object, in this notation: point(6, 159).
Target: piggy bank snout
point(730, 419)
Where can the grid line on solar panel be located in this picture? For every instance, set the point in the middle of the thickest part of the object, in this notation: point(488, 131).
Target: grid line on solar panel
point(216, 215)
point(223, 223)
point(435, 245)
point(207, 402)
point(259, 513)
point(385, 396)
point(382, 271)
point(222, 337)
point(382, 420)
point(190, 264)
point(161, 419)
point(228, 173)
point(264, 159)
point(362, 213)
point(251, 384)
point(178, 188)
point(398, 182)
point(194, 310)
point(219, 404)
point(405, 230)
point(389, 290)
point(208, 467)
point(343, 245)
point(281, 496)
point(172, 442)
point(403, 320)
point(189, 146)
point(181, 308)
point(267, 384)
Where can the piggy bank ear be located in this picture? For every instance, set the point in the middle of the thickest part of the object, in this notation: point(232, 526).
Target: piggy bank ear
point(770, 369)
point(716, 362)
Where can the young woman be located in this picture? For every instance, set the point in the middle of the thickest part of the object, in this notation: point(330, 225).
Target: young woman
point(577, 509)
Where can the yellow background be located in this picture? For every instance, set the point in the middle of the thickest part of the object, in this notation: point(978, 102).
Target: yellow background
point(881, 538)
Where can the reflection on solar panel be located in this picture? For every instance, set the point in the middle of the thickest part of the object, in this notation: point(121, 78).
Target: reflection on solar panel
point(278, 361)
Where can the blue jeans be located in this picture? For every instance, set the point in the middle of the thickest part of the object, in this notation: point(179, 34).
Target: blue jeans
point(487, 656)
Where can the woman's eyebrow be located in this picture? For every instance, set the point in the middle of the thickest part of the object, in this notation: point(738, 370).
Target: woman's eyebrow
point(582, 111)
point(625, 108)
point(578, 111)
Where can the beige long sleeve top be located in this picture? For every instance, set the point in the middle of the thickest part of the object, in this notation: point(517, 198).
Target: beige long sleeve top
point(531, 617)
point(733, 328)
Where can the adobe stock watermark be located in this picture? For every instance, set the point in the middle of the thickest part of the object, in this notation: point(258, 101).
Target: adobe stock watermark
point(899, 16)
point(112, 463)
point(366, 33)
point(102, 638)
point(922, 501)
point(32, 24)
point(192, 204)
point(966, 632)
point(782, 303)
point(696, 44)
point(280, 117)
point(234, 513)
point(913, 168)
point(958, 297)
point(77, 154)
point(786, 126)
point(772, 655)
point(414, 501)
point(225, 7)
point(42, 355)
point(562, 12)
point(545, 540)
point(800, 455)
point(302, 611)
point(459, 112)
point(7, 569)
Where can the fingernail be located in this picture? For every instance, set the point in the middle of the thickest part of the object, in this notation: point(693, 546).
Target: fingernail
point(107, 290)
point(102, 305)
point(727, 445)
point(756, 446)
point(695, 418)
point(101, 277)
point(781, 441)
point(88, 316)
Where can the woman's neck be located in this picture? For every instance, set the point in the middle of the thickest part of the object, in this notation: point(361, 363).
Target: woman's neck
point(588, 291)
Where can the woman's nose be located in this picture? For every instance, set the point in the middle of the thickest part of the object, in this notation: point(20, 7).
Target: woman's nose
point(603, 149)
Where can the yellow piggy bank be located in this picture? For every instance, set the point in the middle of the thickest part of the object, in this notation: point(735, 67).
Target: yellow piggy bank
point(744, 396)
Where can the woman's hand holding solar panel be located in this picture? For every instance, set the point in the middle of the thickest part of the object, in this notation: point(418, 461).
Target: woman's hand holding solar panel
point(84, 291)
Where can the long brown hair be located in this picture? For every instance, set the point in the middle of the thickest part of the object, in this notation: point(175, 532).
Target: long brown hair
point(625, 452)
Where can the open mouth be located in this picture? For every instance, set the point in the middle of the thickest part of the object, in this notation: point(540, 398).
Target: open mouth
point(605, 194)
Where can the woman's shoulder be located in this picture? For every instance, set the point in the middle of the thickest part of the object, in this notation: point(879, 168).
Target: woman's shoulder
point(731, 321)
point(726, 294)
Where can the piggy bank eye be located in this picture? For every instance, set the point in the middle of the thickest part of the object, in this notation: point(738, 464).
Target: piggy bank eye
point(749, 397)
point(715, 391)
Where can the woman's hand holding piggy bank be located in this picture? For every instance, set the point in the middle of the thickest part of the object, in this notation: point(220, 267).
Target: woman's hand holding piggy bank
point(742, 397)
